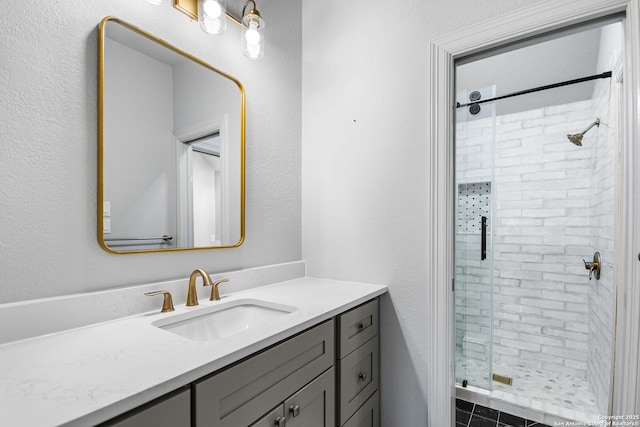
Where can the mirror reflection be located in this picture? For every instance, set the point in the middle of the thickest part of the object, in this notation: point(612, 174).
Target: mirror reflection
point(171, 147)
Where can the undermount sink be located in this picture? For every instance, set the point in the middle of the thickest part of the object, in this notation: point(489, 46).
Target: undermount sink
point(222, 321)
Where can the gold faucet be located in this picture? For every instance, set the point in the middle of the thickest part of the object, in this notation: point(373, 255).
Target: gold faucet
point(192, 296)
point(215, 295)
point(167, 304)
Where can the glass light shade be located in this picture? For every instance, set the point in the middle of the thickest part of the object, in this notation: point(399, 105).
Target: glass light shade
point(213, 19)
point(156, 2)
point(252, 36)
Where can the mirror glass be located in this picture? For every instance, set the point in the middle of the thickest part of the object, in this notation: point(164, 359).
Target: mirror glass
point(171, 147)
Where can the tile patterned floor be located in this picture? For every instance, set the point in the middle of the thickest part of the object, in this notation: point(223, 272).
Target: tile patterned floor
point(556, 393)
point(473, 415)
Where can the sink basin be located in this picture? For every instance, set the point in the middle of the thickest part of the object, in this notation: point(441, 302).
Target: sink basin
point(224, 320)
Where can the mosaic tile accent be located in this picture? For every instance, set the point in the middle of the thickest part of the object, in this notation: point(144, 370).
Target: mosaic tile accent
point(474, 201)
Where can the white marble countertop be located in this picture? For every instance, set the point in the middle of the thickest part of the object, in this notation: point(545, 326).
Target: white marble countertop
point(88, 375)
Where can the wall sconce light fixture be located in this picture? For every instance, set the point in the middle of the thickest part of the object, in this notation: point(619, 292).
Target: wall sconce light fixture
point(252, 32)
point(212, 16)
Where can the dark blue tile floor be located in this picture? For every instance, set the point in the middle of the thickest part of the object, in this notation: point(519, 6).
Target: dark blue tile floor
point(472, 415)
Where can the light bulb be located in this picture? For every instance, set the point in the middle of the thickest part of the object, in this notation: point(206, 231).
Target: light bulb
point(211, 25)
point(253, 50)
point(252, 35)
point(212, 8)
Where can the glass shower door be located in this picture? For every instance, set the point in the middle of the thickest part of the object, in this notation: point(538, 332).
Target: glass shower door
point(474, 148)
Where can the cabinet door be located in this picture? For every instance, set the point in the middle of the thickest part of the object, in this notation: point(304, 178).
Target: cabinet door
point(237, 396)
point(172, 411)
point(358, 373)
point(367, 415)
point(275, 418)
point(314, 405)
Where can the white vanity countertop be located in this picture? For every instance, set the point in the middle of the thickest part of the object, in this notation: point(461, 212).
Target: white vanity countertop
point(88, 375)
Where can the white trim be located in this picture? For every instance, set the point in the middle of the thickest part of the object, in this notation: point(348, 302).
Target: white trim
point(626, 395)
point(529, 21)
point(185, 215)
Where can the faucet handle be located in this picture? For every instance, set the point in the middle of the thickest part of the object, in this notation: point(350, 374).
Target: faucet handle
point(594, 266)
point(215, 295)
point(167, 304)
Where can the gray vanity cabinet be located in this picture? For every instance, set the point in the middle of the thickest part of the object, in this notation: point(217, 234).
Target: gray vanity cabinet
point(358, 366)
point(242, 394)
point(172, 410)
point(313, 406)
point(274, 418)
point(367, 415)
point(322, 377)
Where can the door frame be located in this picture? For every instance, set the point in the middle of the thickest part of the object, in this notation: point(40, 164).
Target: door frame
point(183, 169)
point(531, 21)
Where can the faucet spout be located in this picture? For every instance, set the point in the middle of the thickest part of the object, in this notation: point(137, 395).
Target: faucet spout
point(192, 296)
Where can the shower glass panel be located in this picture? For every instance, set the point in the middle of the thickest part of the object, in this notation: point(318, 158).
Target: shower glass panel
point(475, 139)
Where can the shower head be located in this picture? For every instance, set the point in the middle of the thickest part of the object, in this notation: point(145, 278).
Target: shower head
point(576, 138)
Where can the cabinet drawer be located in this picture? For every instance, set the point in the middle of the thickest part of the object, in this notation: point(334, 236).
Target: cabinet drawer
point(172, 411)
point(367, 415)
point(358, 374)
point(357, 326)
point(241, 394)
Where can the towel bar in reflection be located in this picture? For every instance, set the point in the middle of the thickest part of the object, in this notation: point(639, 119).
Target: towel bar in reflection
point(126, 239)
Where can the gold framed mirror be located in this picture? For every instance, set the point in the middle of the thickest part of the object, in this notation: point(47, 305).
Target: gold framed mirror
point(171, 147)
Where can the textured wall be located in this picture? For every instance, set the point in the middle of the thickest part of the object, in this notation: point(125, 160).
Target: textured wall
point(48, 148)
point(365, 165)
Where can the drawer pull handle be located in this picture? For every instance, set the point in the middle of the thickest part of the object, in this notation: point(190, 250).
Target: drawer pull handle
point(281, 421)
point(362, 327)
point(294, 410)
point(363, 376)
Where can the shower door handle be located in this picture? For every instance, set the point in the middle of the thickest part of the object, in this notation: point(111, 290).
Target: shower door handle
point(483, 238)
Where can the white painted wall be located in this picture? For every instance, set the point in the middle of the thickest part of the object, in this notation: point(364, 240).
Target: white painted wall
point(365, 166)
point(48, 146)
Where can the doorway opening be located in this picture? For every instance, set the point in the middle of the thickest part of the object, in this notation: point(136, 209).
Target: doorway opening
point(537, 139)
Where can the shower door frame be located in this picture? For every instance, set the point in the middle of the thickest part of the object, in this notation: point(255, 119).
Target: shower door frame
point(535, 20)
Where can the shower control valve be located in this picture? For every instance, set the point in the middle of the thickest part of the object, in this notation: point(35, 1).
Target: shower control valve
point(593, 266)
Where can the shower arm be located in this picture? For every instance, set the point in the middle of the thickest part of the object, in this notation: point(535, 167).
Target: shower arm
point(595, 123)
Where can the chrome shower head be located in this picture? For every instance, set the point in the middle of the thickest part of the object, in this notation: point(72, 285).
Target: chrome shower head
point(576, 138)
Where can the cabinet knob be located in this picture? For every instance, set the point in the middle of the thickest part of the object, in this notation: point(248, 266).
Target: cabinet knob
point(362, 376)
point(362, 326)
point(294, 410)
point(281, 422)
